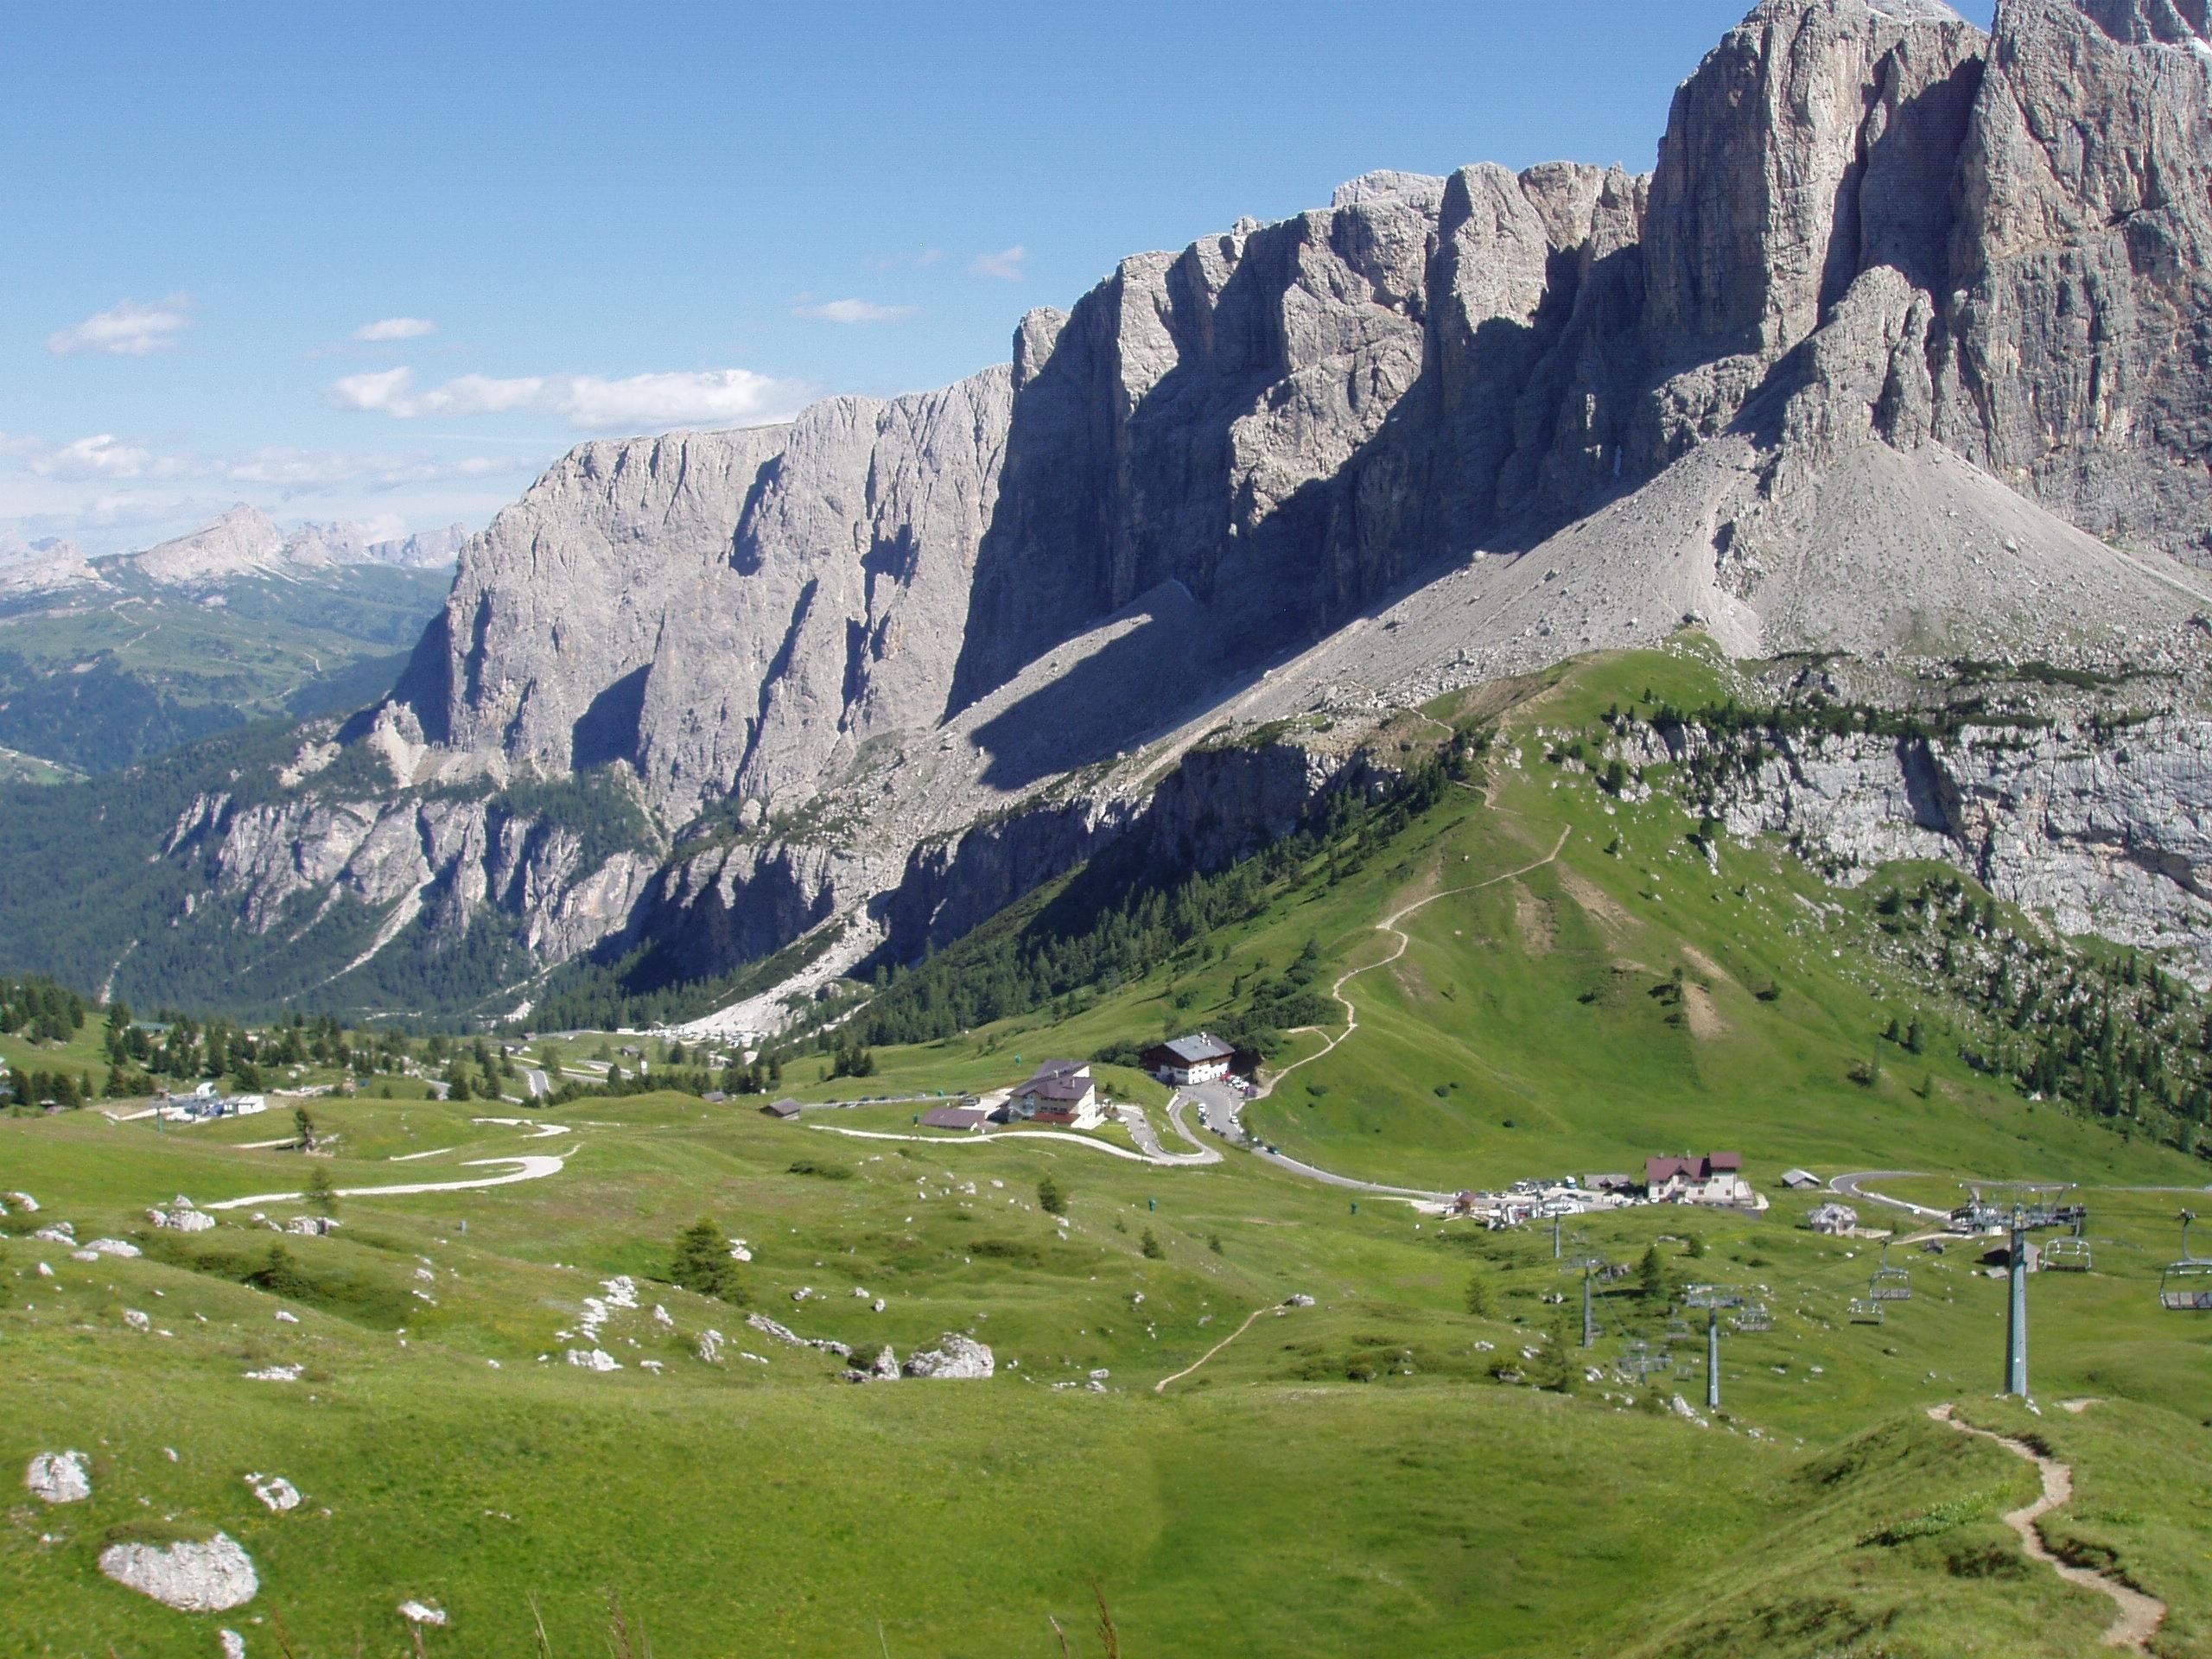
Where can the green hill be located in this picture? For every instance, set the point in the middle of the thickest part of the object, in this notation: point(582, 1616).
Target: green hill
point(116, 676)
point(1417, 1463)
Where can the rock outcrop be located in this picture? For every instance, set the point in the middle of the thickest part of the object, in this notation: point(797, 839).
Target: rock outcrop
point(1907, 325)
point(955, 1356)
point(209, 1576)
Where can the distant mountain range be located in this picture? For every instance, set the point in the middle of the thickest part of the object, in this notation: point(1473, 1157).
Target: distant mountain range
point(244, 541)
point(109, 660)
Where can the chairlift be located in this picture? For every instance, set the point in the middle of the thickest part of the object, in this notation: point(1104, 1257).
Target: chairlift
point(1754, 1316)
point(1864, 1310)
point(1890, 1284)
point(2186, 1284)
point(2069, 1254)
point(1678, 1329)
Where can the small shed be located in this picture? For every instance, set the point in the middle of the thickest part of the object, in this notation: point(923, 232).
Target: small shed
point(969, 1120)
point(1799, 1181)
point(786, 1108)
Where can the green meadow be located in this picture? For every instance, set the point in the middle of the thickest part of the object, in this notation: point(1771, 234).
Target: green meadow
point(1385, 1471)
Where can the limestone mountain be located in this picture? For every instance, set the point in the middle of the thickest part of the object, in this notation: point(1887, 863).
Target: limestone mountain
point(1901, 350)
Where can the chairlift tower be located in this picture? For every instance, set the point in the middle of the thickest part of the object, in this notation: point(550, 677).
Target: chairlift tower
point(1587, 1265)
point(1713, 1299)
point(1640, 1362)
point(2016, 1307)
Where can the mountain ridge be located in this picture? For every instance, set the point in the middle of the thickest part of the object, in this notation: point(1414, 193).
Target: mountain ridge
point(1906, 320)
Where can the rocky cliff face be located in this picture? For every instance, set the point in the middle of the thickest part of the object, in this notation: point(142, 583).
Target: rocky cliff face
point(1905, 318)
point(2103, 830)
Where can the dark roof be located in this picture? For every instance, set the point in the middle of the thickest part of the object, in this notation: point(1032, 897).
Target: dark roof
point(1659, 1171)
point(1057, 1068)
point(955, 1117)
point(1197, 1048)
point(1059, 1085)
point(781, 1108)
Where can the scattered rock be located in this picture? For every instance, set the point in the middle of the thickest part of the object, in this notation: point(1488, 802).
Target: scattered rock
point(594, 1359)
point(136, 1320)
point(276, 1373)
point(116, 1247)
point(287, 1316)
point(421, 1613)
point(278, 1493)
point(768, 1327)
point(180, 1216)
point(59, 1233)
point(59, 1477)
point(663, 1318)
point(711, 1347)
point(234, 1644)
point(194, 1577)
point(1301, 1300)
point(954, 1356)
point(22, 1201)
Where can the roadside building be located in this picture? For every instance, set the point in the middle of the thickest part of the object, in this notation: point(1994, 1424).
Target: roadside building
point(786, 1109)
point(1200, 1058)
point(1800, 1180)
point(1715, 1178)
point(969, 1120)
point(1062, 1092)
point(1611, 1181)
point(1831, 1219)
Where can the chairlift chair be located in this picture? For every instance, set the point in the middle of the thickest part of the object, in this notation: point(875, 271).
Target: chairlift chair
point(1678, 1329)
point(1864, 1310)
point(2186, 1284)
point(1754, 1316)
point(1890, 1284)
point(2069, 1254)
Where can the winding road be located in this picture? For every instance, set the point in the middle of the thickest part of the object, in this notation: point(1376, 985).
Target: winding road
point(2139, 1615)
point(1390, 924)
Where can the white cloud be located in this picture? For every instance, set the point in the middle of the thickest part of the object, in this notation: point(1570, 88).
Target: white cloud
point(588, 402)
point(126, 329)
point(1008, 264)
point(106, 459)
point(389, 328)
point(854, 311)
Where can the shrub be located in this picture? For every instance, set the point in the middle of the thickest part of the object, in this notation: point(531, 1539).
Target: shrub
point(1150, 1244)
point(1050, 1199)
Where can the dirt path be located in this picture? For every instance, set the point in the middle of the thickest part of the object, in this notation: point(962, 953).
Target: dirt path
point(2139, 1615)
point(1166, 1161)
point(1390, 924)
point(1160, 1386)
point(527, 1169)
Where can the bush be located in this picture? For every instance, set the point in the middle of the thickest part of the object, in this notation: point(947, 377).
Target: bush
point(1150, 1244)
point(1050, 1199)
point(815, 1167)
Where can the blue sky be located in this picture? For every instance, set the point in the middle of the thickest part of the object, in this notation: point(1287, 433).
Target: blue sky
point(572, 221)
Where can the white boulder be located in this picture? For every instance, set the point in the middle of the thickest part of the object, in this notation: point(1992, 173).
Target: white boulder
point(210, 1577)
point(59, 1477)
point(954, 1356)
point(278, 1493)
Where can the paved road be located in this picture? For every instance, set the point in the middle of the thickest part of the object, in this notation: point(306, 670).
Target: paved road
point(535, 1081)
point(1853, 1186)
point(1147, 1139)
point(526, 1169)
point(1219, 1104)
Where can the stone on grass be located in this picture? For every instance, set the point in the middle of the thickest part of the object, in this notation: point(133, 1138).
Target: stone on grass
point(115, 1247)
point(278, 1493)
point(1299, 1300)
point(594, 1359)
point(421, 1613)
point(711, 1347)
point(234, 1644)
point(209, 1576)
point(276, 1373)
point(59, 1477)
point(954, 1356)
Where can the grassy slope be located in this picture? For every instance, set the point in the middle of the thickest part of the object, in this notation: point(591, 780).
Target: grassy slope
point(1270, 1502)
point(1267, 1502)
